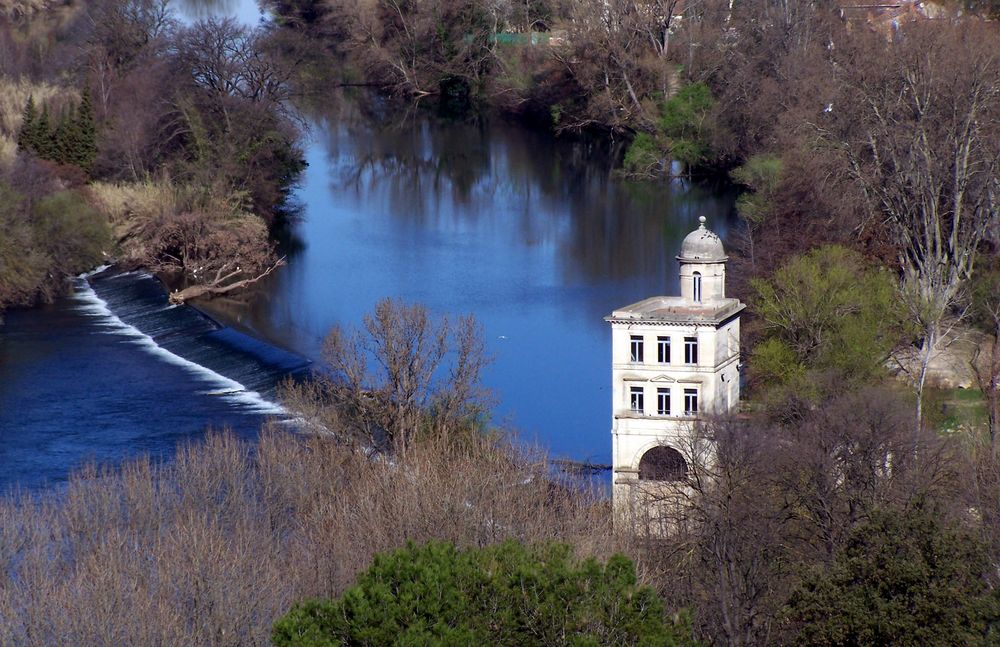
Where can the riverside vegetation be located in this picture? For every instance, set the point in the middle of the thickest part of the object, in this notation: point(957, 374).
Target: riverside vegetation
point(884, 143)
point(842, 508)
point(829, 524)
point(169, 146)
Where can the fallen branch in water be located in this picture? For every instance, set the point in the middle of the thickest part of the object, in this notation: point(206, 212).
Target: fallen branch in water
point(219, 285)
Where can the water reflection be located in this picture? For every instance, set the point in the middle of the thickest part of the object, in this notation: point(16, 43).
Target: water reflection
point(245, 11)
point(449, 175)
point(535, 236)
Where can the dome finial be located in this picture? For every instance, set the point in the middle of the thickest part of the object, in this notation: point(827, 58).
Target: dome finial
point(702, 246)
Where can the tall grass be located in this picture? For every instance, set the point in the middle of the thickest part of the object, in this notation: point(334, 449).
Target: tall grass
point(8, 150)
point(147, 200)
point(210, 548)
point(14, 95)
point(140, 212)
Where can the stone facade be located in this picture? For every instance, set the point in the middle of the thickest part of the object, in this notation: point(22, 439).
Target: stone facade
point(674, 358)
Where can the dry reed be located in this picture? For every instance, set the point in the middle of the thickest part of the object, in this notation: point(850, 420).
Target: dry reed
point(211, 547)
point(14, 94)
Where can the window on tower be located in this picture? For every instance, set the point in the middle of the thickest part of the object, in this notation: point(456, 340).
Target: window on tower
point(697, 286)
point(635, 399)
point(690, 402)
point(663, 402)
point(635, 348)
point(663, 350)
point(690, 350)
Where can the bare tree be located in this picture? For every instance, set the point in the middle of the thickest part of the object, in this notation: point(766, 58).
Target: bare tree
point(210, 548)
point(919, 129)
point(122, 29)
point(402, 377)
point(229, 60)
point(731, 532)
point(228, 114)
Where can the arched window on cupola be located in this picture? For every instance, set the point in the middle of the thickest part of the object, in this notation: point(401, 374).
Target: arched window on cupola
point(696, 278)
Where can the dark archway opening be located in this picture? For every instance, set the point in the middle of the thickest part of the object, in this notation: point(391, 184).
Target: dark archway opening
point(662, 464)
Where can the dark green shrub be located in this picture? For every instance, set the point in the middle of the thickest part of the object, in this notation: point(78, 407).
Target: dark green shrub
point(507, 594)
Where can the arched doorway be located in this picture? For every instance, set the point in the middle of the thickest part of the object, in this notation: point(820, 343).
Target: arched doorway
point(662, 463)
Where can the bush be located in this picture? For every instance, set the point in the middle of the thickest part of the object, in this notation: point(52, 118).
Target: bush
point(23, 266)
point(903, 579)
point(73, 232)
point(40, 245)
point(644, 156)
point(826, 311)
point(501, 595)
point(685, 121)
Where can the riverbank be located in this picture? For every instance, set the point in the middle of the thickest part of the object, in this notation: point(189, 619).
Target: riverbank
point(186, 170)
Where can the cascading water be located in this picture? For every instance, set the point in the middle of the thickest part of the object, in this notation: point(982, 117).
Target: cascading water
point(115, 371)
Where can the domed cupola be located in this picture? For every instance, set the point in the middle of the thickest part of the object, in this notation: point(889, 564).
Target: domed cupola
point(702, 265)
point(702, 246)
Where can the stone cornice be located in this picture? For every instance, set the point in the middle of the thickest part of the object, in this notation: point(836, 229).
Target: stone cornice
point(667, 317)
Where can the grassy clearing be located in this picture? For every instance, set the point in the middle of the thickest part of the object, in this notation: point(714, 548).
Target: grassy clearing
point(957, 408)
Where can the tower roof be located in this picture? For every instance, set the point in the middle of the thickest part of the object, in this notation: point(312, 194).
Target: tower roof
point(702, 246)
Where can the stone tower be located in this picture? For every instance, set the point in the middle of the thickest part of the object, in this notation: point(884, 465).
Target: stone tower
point(674, 358)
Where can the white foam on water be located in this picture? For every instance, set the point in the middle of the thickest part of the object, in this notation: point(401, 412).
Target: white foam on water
point(224, 387)
point(96, 270)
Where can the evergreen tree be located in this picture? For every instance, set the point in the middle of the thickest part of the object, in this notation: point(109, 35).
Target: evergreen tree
point(27, 136)
point(64, 139)
point(44, 142)
point(509, 594)
point(85, 132)
point(904, 579)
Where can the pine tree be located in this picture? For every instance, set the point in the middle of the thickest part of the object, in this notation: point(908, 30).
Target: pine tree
point(27, 139)
point(86, 133)
point(64, 139)
point(45, 145)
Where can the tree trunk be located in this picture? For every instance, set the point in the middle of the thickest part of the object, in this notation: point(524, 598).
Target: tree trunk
point(926, 351)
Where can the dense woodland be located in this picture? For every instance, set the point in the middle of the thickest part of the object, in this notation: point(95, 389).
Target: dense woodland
point(851, 503)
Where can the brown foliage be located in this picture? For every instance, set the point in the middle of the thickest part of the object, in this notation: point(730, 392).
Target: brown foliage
point(614, 64)
point(206, 240)
point(212, 547)
point(764, 501)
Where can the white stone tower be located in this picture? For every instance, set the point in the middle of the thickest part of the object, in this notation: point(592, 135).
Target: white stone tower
point(673, 359)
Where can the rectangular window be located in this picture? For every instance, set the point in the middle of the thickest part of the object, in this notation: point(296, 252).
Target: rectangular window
point(635, 399)
point(663, 402)
point(690, 402)
point(690, 350)
point(635, 350)
point(663, 350)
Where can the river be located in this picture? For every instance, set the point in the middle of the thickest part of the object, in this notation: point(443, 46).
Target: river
point(534, 235)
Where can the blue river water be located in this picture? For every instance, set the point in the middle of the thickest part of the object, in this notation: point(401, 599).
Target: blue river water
point(534, 235)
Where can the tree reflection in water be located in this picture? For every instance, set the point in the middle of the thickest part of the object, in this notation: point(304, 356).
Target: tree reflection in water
point(536, 236)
